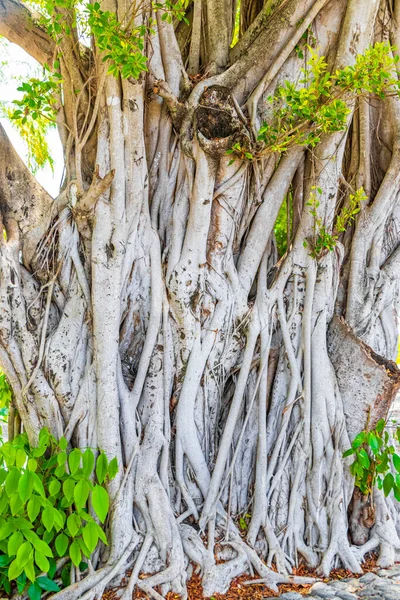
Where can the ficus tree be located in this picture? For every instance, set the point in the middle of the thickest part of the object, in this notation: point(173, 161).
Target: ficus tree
point(148, 309)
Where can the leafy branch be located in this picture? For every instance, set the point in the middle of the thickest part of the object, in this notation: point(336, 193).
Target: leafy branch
point(374, 459)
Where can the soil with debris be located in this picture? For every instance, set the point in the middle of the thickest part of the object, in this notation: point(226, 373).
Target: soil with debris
point(373, 584)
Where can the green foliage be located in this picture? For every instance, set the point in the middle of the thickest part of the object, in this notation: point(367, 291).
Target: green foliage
point(375, 461)
point(38, 99)
point(281, 224)
point(322, 240)
point(320, 105)
point(44, 497)
point(123, 46)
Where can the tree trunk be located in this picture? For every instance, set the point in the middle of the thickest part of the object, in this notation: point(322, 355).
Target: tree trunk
point(145, 312)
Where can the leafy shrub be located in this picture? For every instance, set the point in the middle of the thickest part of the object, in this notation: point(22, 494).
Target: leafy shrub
point(375, 461)
point(44, 496)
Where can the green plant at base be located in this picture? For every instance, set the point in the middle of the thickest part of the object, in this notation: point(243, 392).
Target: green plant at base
point(44, 497)
point(374, 457)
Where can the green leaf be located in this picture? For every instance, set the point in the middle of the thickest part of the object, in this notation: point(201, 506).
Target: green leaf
point(30, 570)
point(380, 425)
point(38, 485)
point(15, 569)
point(54, 487)
point(63, 443)
point(396, 462)
point(24, 553)
point(61, 544)
point(21, 582)
point(388, 484)
point(20, 457)
point(113, 468)
point(68, 488)
point(373, 442)
point(6, 529)
point(90, 536)
point(32, 465)
point(14, 543)
point(75, 553)
point(47, 584)
point(348, 452)
point(25, 486)
point(88, 462)
point(363, 458)
point(81, 493)
point(12, 479)
point(73, 524)
point(4, 560)
point(101, 467)
point(48, 518)
point(16, 504)
point(41, 561)
point(101, 502)
point(34, 592)
point(74, 460)
point(33, 508)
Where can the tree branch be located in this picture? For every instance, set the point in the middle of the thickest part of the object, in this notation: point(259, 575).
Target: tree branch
point(22, 199)
point(17, 25)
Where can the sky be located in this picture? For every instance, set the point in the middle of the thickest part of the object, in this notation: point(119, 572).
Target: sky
point(17, 66)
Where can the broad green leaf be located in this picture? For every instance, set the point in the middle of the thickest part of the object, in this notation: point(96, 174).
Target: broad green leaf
point(12, 479)
point(101, 467)
point(14, 569)
point(75, 553)
point(6, 529)
point(61, 544)
point(24, 553)
point(388, 484)
point(101, 502)
point(113, 468)
point(373, 442)
point(61, 458)
point(88, 462)
point(25, 486)
point(54, 487)
point(63, 443)
point(363, 458)
point(38, 543)
point(14, 543)
point(30, 570)
point(68, 488)
point(348, 452)
point(34, 592)
point(48, 518)
point(33, 507)
point(396, 492)
point(53, 568)
point(81, 493)
point(102, 535)
point(90, 536)
point(84, 548)
point(16, 504)
point(20, 457)
point(21, 582)
point(396, 462)
point(32, 465)
point(358, 440)
point(4, 560)
point(47, 584)
point(41, 561)
point(38, 485)
point(380, 425)
point(73, 524)
point(74, 460)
